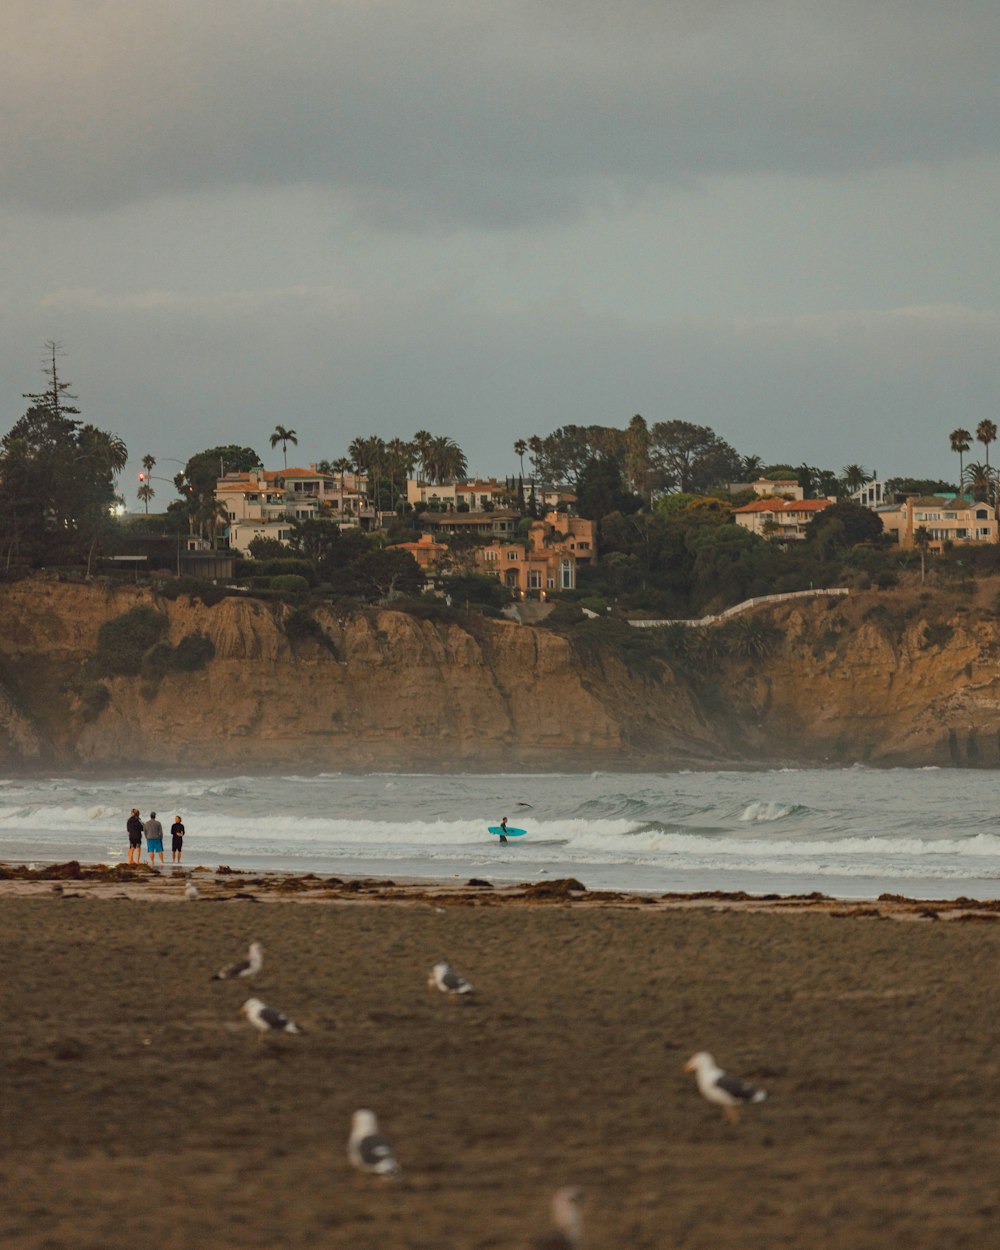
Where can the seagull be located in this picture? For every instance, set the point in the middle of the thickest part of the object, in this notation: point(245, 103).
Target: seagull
point(368, 1150)
point(191, 892)
point(266, 1019)
point(568, 1221)
point(248, 967)
point(444, 978)
point(727, 1092)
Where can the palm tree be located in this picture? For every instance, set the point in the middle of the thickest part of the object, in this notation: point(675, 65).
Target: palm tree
point(422, 441)
point(980, 479)
point(145, 493)
point(520, 447)
point(961, 441)
point(752, 468)
point(922, 539)
point(986, 433)
point(444, 460)
point(368, 456)
point(400, 458)
point(284, 437)
point(854, 477)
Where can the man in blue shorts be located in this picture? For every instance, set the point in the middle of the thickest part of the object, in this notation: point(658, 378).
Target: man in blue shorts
point(154, 838)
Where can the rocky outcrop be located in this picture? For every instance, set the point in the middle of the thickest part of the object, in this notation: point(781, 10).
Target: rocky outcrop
point(874, 678)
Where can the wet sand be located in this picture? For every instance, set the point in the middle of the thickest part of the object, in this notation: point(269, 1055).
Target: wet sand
point(138, 1109)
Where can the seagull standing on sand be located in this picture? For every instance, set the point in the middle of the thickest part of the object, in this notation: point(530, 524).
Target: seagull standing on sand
point(568, 1221)
point(368, 1150)
point(248, 967)
point(191, 892)
point(444, 978)
point(727, 1092)
point(266, 1020)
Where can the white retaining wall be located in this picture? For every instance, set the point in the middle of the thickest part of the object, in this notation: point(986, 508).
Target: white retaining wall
point(742, 607)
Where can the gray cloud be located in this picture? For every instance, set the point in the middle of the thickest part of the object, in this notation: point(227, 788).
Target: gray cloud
point(424, 114)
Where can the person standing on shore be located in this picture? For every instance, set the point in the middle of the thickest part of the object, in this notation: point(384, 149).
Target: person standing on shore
point(176, 840)
point(134, 827)
point(154, 839)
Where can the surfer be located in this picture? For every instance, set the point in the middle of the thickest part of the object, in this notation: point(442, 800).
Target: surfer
point(503, 827)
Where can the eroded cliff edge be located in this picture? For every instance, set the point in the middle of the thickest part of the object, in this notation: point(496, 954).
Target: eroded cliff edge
point(873, 678)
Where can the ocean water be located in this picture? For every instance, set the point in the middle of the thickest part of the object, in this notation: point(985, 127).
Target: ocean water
point(851, 833)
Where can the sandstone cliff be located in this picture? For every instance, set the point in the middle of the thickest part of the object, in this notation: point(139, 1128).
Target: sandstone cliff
point(873, 678)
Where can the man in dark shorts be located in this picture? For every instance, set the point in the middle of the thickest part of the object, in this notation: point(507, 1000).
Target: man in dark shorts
point(134, 827)
point(176, 840)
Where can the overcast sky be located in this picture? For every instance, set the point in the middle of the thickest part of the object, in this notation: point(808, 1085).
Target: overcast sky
point(489, 219)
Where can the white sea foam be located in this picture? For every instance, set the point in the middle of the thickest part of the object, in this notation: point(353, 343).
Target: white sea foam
point(785, 829)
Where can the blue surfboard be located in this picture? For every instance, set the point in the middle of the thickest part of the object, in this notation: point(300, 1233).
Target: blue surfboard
point(510, 833)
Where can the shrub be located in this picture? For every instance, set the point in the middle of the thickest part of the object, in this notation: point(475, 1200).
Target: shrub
point(123, 641)
point(194, 588)
point(157, 662)
point(563, 615)
point(300, 624)
point(937, 634)
point(193, 652)
point(289, 582)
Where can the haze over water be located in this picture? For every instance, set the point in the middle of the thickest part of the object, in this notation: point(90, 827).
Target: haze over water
point(851, 833)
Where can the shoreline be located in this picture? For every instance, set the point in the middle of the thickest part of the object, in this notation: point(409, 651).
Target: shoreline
point(167, 883)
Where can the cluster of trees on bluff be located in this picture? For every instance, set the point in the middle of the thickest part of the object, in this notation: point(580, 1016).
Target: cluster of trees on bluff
point(659, 494)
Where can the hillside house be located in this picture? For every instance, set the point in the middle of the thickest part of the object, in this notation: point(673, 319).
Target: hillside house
point(946, 518)
point(781, 520)
point(547, 562)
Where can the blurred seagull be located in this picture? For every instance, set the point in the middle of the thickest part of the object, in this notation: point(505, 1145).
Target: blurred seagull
point(727, 1092)
point(266, 1020)
point(568, 1221)
point(248, 967)
point(444, 978)
point(191, 892)
point(368, 1150)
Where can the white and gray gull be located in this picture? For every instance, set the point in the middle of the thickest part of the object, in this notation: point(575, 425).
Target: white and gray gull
point(248, 967)
point(368, 1150)
point(726, 1091)
point(444, 978)
point(567, 1219)
point(266, 1020)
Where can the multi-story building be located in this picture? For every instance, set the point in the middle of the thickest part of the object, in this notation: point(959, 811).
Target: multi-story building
point(782, 520)
point(547, 562)
point(944, 518)
point(264, 503)
point(765, 487)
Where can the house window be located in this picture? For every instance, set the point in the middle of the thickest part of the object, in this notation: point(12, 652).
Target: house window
point(566, 575)
point(961, 533)
point(513, 555)
point(534, 579)
point(489, 554)
point(550, 582)
point(982, 514)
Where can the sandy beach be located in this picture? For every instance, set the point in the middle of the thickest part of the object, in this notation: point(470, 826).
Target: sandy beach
point(139, 1109)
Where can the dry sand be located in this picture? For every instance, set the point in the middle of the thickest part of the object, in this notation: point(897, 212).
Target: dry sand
point(139, 1110)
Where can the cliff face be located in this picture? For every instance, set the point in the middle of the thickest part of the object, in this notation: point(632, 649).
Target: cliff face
point(385, 690)
point(389, 691)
